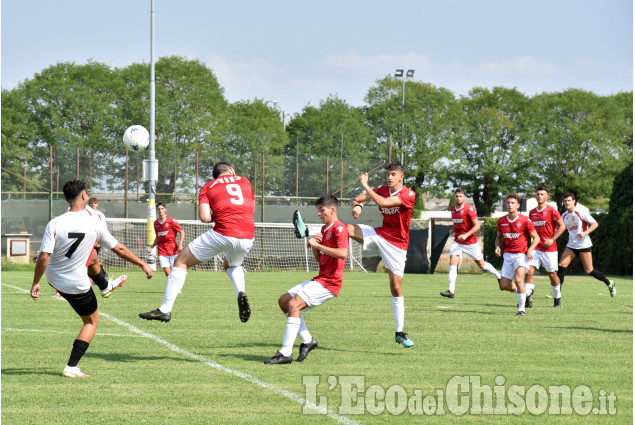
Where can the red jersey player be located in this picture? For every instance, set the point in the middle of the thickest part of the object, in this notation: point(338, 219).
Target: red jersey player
point(395, 203)
point(515, 229)
point(549, 226)
point(166, 229)
point(228, 200)
point(465, 227)
point(330, 248)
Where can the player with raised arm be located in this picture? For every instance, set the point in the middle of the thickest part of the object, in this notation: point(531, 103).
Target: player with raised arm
point(166, 228)
point(515, 229)
point(549, 226)
point(395, 203)
point(330, 248)
point(228, 200)
point(67, 245)
point(580, 223)
point(465, 225)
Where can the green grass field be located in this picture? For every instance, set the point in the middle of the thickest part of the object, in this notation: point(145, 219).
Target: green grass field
point(206, 367)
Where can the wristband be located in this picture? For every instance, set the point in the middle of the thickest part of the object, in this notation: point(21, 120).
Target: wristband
point(359, 205)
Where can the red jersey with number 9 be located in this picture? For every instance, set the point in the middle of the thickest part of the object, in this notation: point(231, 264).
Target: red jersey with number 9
point(231, 200)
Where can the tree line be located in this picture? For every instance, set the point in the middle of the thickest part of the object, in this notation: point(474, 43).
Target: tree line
point(489, 142)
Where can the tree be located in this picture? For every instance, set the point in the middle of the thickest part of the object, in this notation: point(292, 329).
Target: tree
point(490, 155)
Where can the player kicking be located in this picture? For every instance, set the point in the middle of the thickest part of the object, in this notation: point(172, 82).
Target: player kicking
point(166, 229)
point(66, 248)
point(330, 248)
point(465, 227)
point(395, 203)
point(580, 223)
point(515, 229)
point(549, 226)
point(228, 200)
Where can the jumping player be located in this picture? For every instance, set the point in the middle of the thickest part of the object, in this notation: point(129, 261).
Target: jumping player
point(515, 229)
point(66, 248)
point(549, 226)
point(580, 223)
point(228, 200)
point(330, 248)
point(166, 229)
point(395, 202)
point(465, 227)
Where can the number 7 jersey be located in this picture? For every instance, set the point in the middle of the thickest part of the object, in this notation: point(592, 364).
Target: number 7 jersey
point(231, 200)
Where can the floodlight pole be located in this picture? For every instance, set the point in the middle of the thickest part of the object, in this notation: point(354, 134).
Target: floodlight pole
point(152, 167)
point(399, 74)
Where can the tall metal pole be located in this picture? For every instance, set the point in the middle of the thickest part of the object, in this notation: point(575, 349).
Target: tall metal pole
point(403, 113)
point(151, 166)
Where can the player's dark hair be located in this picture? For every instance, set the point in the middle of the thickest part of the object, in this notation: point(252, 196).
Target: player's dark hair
point(93, 200)
point(327, 201)
point(459, 191)
point(513, 196)
point(160, 204)
point(72, 189)
point(541, 187)
point(570, 195)
point(394, 166)
point(220, 168)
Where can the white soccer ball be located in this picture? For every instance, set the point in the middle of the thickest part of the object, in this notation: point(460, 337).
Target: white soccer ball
point(136, 137)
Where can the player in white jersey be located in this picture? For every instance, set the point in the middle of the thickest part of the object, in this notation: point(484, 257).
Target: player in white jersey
point(66, 249)
point(580, 223)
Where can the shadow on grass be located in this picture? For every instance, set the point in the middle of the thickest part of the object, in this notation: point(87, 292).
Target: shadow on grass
point(124, 358)
point(584, 328)
point(28, 371)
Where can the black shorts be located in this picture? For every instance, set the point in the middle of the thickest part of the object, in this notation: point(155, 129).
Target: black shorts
point(578, 251)
point(84, 304)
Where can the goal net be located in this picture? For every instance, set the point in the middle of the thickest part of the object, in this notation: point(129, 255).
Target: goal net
point(275, 247)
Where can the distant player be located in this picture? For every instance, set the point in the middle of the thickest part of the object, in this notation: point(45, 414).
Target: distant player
point(330, 248)
point(228, 200)
point(515, 229)
point(549, 226)
point(465, 227)
point(166, 229)
point(395, 202)
point(580, 223)
point(66, 248)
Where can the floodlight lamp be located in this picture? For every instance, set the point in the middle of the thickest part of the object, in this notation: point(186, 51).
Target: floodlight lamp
point(399, 73)
point(410, 73)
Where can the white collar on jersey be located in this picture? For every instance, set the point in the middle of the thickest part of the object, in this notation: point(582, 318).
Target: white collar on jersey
point(511, 221)
point(392, 194)
point(459, 209)
point(541, 210)
point(330, 225)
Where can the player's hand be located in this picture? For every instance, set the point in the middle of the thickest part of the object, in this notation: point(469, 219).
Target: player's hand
point(149, 249)
point(35, 291)
point(547, 243)
point(356, 212)
point(497, 251)
point(147, 270)
point(529, 255)
point(318, 237)
point(363, 179)
point(461, 237)
point(311, 242)
point(581, 235)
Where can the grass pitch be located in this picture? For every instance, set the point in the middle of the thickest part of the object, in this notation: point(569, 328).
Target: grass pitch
point(206, 367)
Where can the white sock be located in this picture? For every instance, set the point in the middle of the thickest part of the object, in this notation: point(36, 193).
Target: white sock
point(290, 332)
point(556, 291)
point(399, 310)
point(489, 268)
point(304, 334)
point(237, 276)
point(521, 301)
point(176, 280)
point(452, 278)
point(529, 288)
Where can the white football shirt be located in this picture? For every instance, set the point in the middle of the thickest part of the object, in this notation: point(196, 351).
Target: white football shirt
point(577, 222)
point(70, 239)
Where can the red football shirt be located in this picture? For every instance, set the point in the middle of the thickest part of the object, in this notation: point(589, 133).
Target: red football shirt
point(166, 236)
point(332, 269)
point(395, 228)
point(545, 224)
point(462, 219)
point(231, 200)
point(516, 234)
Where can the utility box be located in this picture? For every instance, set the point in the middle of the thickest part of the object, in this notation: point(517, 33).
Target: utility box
point(16, 247)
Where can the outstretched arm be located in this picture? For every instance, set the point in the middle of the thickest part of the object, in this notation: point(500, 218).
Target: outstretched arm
point(122, 252)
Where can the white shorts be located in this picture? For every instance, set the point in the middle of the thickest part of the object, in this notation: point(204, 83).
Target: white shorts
point(548, 260)
point(473, 250)
point(394, 258)
point(166, 261)
point(210, 244)
point(312, 292)
point(511, 262)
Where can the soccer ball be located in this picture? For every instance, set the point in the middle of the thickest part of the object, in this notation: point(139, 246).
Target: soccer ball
point(136, 137)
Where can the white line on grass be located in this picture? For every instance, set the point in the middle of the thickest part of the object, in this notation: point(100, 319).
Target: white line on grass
point(67, 332)
point(288, 394)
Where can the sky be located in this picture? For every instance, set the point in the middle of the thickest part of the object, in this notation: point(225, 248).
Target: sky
point(301, 52)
